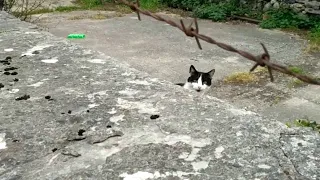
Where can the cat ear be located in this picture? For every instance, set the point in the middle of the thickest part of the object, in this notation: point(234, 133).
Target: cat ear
point(192, 69)
point(211, 73)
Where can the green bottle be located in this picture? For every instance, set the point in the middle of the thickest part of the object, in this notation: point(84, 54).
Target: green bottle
point(76, 36)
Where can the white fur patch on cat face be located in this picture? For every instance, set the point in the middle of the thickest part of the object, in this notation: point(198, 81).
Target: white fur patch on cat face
point(198, 86)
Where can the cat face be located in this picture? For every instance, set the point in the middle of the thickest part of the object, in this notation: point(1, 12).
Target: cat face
point(199, 81)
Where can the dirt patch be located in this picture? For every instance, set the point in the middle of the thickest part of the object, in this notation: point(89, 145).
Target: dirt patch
point(74, 15)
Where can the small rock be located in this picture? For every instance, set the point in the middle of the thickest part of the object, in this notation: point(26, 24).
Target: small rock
point(276, 5)
point(267, 6)
point(35, 52)
point(297, 7)
point(273, 2)
point(313, 4)
point(15, 80)
point(70, 152)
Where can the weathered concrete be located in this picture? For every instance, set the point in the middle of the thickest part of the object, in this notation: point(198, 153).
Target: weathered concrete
point(166, 53)
point(97, 122)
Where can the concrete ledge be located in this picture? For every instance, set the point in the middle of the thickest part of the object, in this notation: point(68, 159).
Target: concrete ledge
point(101, 121)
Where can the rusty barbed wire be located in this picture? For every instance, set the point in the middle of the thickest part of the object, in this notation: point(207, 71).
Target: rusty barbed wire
point(261, 60)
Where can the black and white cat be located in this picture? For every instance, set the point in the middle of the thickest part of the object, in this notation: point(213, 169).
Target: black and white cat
point(198, 81)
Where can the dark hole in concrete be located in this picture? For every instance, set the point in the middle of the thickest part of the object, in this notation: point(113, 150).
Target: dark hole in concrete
point(154, 116)
point(109, 126)
point(81, 131)
point(299, 144)
point(88, 110)
point(62, 113)
point(6, 73)
point(15, 80)
point(14, 73)
point(47, 97)
point(1, 85)
point(69, 112)
point(35, 52)
point(15, 140)
point(6, 61)
point(10, 69)
point(54, 149)
point(24, 97)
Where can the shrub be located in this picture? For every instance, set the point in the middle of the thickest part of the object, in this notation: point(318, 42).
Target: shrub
point(185, 4)
point(215, 12)
point(286, 18)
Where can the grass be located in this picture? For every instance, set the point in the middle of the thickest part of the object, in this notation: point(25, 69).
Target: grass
point(296, 83)
point(314, 41)
point(152, 5)
point(246, 77)
point(68, 8)
point(296, 69)
point(241, 78)
point(40, 11)
point(304, 123)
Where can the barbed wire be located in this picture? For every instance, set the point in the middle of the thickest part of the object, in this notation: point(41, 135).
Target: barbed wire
point(261, 60)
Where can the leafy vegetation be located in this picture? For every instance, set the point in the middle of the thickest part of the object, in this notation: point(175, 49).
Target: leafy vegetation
point(304, 123)
point(296, 69)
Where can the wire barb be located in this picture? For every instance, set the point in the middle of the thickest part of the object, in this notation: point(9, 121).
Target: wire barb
point(261, 60)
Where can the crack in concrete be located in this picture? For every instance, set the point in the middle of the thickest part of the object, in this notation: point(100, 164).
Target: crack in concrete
point(288, 158)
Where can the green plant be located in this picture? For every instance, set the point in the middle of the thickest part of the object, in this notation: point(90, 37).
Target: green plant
point(286, 18)
point(296, 69)
point(150, 4)
point(215, 12)
point(90, 3)
point(184, 4)
point(304, 123)
point(68, 8)
point(314, 38)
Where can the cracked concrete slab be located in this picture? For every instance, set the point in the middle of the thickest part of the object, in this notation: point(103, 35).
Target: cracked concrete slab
point(91, 93)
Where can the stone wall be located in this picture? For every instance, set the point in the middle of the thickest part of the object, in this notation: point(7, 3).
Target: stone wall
point(302, 6)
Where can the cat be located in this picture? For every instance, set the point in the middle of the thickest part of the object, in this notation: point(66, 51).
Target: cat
point(198, 81)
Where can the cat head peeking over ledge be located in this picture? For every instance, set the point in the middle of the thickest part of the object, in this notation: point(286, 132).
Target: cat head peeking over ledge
point(197, 80)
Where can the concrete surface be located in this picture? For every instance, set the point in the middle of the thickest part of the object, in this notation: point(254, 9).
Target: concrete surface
point(100, 121)
point(164, 52)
